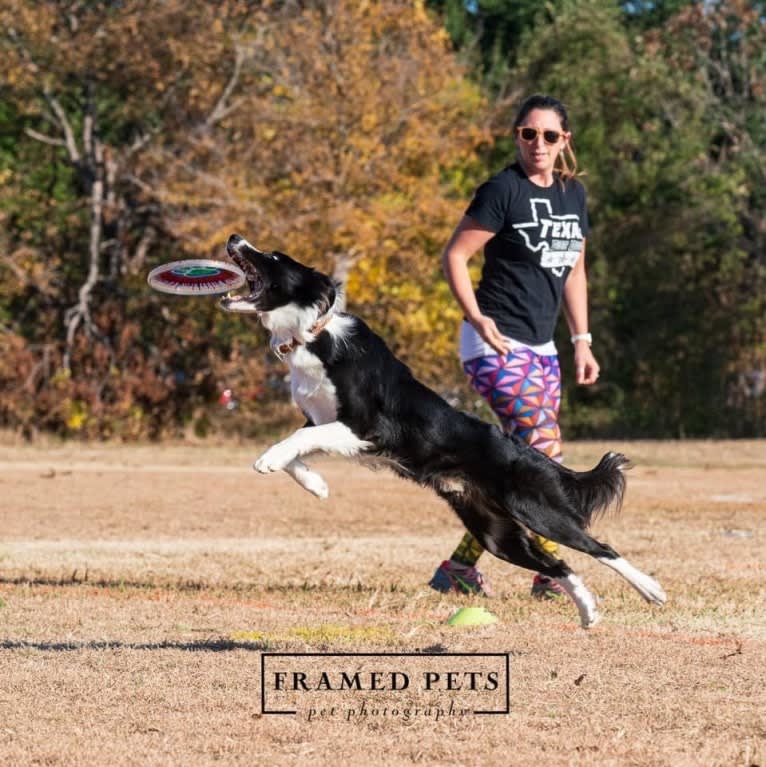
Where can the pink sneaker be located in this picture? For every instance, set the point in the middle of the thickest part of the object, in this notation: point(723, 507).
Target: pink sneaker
point(464, 579)
point(544, 587)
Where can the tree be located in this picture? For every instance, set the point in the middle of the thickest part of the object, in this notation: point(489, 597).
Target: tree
point(721, 45)
point(668, 270)
point(90, 87)
point(488, 33)
point(339, 131)
point(652, 14)
point(349, 147)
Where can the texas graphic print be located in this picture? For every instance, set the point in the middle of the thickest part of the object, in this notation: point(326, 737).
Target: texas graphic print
point(558, 239)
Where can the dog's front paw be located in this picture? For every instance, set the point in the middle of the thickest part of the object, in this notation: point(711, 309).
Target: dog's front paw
point(274, 459)
point(307, 479)
point(315, 485)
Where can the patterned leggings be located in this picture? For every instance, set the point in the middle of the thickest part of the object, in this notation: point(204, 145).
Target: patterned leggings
point(524, 391)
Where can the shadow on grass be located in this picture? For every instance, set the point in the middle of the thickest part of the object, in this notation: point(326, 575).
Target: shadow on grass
point(204, 645)
point(76, 579)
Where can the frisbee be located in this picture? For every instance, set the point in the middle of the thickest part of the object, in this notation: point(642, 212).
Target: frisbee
point(196, 277)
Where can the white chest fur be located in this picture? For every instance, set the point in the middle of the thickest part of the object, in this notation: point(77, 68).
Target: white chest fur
point(312, 390)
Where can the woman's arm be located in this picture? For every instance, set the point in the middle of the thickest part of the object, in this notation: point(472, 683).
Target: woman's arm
point(575, 306)
point(467, 239)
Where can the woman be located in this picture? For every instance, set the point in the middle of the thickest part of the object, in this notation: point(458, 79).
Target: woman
point(531, 219)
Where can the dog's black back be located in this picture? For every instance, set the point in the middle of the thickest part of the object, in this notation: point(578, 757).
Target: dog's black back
point(429, 441)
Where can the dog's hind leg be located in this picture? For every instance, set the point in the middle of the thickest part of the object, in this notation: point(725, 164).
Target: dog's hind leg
point(521, 550)
point(307, 478)
point(565, 530)
point(508, 540)
point(644, 584)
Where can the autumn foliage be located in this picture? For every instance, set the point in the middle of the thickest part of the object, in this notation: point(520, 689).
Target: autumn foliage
point(351, 135)
point(339, 132)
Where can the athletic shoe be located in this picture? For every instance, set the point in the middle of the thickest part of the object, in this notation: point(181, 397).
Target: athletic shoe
point(544, 587)
point(463, 579)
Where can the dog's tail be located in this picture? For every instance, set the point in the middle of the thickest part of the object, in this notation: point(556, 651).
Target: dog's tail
point(603, 487)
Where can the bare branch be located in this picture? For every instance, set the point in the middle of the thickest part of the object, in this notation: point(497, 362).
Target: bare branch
point(87, 131)
point(140, 142)
point(148, 236)
point(22, 275)
point(59, 115)
point(43, 366)
point(209, 178)
point(221, 110)
point(65, 125)
point(80, 313)
point(44, 138)
point(111, 168)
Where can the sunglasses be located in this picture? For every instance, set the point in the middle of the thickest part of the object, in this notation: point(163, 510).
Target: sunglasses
point(529, 135)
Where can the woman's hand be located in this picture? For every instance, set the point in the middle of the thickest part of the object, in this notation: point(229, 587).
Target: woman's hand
point(486, 328)
point(586, 367)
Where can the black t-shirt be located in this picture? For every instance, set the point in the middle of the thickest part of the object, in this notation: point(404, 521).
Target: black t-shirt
point(539, 234)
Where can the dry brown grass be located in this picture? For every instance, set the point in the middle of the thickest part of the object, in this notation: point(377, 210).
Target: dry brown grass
point(139, 587)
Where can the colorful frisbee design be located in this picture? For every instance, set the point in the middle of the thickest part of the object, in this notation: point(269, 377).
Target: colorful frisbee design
point(196, 277)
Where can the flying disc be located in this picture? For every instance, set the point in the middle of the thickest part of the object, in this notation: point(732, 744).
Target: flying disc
point(196, 277)
point(472, 616)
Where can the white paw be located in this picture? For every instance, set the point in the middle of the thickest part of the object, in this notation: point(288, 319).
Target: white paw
point(316, 485)
point(590, 619)
point(274, 459)
point(644, 584)
point(648, 588)
point(653, 592)
point(582, 597)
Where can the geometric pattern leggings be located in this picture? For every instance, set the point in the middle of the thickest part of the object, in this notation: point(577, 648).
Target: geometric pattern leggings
point(524, 391)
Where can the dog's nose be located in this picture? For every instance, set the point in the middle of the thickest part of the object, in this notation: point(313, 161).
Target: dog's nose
point(234, 240)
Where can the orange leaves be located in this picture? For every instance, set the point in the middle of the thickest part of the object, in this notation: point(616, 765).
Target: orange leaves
point(335, 130)
point(339, 111)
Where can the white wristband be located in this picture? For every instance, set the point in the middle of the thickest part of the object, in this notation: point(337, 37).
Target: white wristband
point(582, 337)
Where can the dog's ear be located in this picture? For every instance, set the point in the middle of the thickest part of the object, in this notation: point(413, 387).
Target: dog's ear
point(340, 295)
point(327, 295)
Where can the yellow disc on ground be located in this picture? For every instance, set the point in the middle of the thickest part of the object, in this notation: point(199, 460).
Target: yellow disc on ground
point(471, 616)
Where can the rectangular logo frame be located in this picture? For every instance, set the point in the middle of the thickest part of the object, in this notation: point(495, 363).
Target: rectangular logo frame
point(481, 712)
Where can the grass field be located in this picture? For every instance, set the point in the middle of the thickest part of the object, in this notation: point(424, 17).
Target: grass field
point(140, 587)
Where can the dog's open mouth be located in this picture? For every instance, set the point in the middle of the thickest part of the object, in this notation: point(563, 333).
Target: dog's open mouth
point(255, 284)
point(254, 279)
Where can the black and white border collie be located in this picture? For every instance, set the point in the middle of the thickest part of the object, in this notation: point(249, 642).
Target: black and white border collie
point(359, 399)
